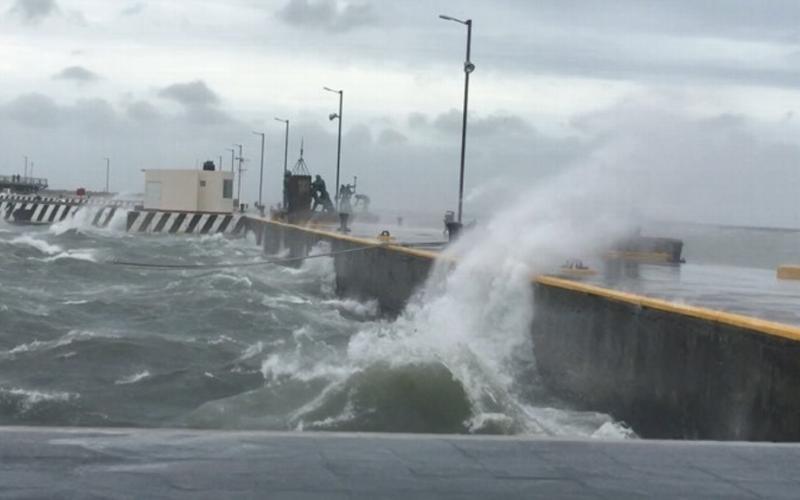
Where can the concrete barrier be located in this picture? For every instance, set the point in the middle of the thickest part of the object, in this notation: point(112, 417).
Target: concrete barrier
point(44, 213)
point(669, 370)
point(387, 273)
point(160, 221)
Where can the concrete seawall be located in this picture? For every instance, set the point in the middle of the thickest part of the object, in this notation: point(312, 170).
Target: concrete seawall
point(669, 370)
point(387, 273)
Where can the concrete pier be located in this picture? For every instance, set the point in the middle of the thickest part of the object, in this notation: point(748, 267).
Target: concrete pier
point(670, 370)
point(153, 464)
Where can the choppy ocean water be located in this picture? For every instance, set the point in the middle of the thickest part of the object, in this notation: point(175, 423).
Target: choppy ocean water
point(84, 342)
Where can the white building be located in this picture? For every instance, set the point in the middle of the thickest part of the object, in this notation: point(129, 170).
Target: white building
point(208, 191)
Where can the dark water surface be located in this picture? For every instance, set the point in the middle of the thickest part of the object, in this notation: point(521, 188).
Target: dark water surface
point(84, 342)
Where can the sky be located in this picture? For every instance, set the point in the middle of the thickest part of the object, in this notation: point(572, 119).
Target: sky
point(690, 107)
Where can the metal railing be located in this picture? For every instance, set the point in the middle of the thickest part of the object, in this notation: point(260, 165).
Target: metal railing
point(18, 180)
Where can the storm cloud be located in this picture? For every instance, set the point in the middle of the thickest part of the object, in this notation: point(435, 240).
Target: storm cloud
point(77, 74)
point(329, 15)
point(689, 105)
point(34, 11)
point(191, 94)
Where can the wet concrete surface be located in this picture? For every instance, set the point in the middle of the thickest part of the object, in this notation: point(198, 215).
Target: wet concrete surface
point(93, 463)
point(743, 290)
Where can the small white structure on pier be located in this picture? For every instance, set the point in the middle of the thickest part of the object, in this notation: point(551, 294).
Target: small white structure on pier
point(207, 191)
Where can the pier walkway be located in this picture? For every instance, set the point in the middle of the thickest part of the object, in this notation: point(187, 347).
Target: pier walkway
point(103, 463)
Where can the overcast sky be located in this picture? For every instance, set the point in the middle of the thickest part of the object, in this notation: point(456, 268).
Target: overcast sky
point(691, 105)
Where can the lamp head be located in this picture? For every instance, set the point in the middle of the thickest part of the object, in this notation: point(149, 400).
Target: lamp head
point(469, 67)
point(333, 116)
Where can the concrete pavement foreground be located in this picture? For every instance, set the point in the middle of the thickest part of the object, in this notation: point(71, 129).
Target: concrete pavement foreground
point(122, 463)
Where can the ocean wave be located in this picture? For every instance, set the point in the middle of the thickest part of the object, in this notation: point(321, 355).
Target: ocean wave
point(85, 255)
point(367, 309)
point(40, 345)
point(42, 246)
point(24, 400)
point(132, 379)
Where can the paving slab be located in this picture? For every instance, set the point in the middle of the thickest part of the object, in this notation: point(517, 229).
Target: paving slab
point(163, 463)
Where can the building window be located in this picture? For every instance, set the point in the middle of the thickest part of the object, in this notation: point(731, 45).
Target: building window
point(202, 184)
point(227, 188)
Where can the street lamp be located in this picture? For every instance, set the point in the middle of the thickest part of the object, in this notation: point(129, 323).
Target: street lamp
point(233, 153)
point(335, 116)
point(285, 156)
point(108, 169)
point(468, 68)
point(261, 174)
point(239, 176)
point(26, 167)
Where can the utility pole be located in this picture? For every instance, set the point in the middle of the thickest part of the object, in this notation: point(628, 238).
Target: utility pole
point(335, 116)
point(239, 180)
point(26, 168)
point(108, 170)
point(233, 153)
point(285, 159)
point(261, 172)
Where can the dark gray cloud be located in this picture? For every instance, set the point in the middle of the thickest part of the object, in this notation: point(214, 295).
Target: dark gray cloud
point(493, 125)
point(134, 9)
point(329, 15)
point(34, 11)
point(391, 137)
point(192, 94)
point(40, 111)
point(143, 112)
point(200, 103)
point(77, 74)
point(32, 110)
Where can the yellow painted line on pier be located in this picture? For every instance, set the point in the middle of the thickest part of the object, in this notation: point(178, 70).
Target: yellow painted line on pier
point(426, 254)
point(738, 320)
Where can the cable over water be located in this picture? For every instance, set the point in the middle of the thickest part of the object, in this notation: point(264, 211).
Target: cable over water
point(226, 265)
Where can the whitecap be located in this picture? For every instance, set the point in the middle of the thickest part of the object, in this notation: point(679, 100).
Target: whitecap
point(132, 379)
point(363, 309)
point(36, 243)
point(30, 398)
point(83, 255)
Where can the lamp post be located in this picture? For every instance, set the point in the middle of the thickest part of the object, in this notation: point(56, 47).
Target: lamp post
point(285, 157)
point(233, 153)
point(108, 170)
point(25, 175)
point(239, 176)
point(261, 172)
point(468, 68)
point(335, 116)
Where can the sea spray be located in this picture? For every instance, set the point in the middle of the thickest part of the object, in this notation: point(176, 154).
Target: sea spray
point(473, 315)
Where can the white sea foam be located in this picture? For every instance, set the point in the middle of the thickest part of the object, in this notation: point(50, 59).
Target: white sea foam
point(30, 398)
point(38, 345)
point(132, 379)
point(75, 302)
point(86, 255)
point(36, 243)
point(475, 317)
point(368, 309)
